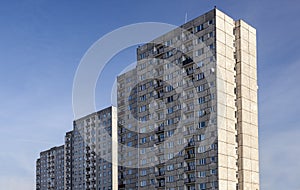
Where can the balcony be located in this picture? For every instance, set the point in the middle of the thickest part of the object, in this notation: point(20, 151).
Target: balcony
point(160, 184)
point(189, 168)
point(160, 129)
point(189, 156)
point(189, 180)
point(159, 174)
point(159, 140)
point(191, 144)
point(187, 61)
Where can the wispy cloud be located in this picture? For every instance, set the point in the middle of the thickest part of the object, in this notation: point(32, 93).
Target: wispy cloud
point(16, 183)
point(280, 160)
point(279, 105)
point(279, 127)
point(18, 174)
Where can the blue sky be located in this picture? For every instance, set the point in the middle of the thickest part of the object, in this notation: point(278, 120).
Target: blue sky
point(42, 42)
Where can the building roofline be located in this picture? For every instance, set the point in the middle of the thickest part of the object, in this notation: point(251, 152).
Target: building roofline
point(94, 113)
point(53, 148)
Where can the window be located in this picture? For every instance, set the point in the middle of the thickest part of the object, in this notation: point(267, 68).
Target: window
point(152, 181)
point(168, 43)
point(168, 54)
point(143, 140)
point(129, 126)
point(143, 55)
point(143, 108)
point(169, 88)
point(211, 34)
point(180, 141)
point(189, 70)
point(200, 64)
point(200, 39)
point(170, 133)
point(144, 172)
point(170, 144)
point(213, 159)
point(170, 155)
point(169, 65)
point(170, 167)
point(143, 183)
point(143, 119)
point(201, 113)
point(144, 161)
point(211, 46)
point(168, 76)
point(170, 110)
point(201, 124)
point(210, 22)
point(200, 76)
point(202, 161)
point(200, 88)
point(201, 137)
point(201, 100)
point(199, 52)
point(170, 179)
point(143, 98)
point(160, 115)
point(129, 153)
point(143, 77)
point(202, 186)
point(199, 28)
point(202, 174)
point(143, 130)
point(170, 99)
point(170, 121)
point(152, 137)
point(214, 146)
point(142, 87)
point(142, 151)
point(214, 184)
point(201, 149)
point(213, 171)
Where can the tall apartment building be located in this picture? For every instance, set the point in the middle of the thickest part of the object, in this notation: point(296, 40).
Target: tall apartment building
point(187, 118)
point(187, 113)
point(50, 169)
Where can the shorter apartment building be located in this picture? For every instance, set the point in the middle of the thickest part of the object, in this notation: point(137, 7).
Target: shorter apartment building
point(92, 151)
point(50, 169)
point(86, 158)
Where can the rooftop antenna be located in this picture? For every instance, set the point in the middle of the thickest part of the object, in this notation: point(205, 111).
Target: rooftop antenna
point(185, 21)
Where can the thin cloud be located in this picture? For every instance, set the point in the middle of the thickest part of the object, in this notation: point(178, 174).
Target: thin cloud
point(280, 160)
point(279, 129)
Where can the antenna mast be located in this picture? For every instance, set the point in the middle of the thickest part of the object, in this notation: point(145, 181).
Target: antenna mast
point(186, 15)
